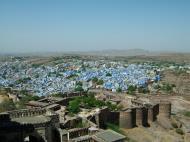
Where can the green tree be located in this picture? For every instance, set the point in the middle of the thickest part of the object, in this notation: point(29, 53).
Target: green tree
point(143, 90)
point(119, 90)
point(187, 113)
point(24, 92)
point(179, 131)
point(167, 88)
point(79, 88)
point(108, 74)
point(131, 89)
point(58, 94)
point(74, 106)
point(78, 83)
point(100, 82)
point(94, 79)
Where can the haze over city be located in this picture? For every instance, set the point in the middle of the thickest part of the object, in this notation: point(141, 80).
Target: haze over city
point(90, 25)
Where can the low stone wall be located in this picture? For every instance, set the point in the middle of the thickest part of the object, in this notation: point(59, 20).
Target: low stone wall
point(72, 123)
point(137, 103)
point(77, 132)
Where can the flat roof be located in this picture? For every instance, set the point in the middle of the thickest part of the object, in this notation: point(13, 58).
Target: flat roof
point(36, 103)
point(32, 120)
point(110, 136)
point(55, 98)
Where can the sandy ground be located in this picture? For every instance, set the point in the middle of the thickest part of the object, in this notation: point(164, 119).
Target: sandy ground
point(155, 133)
point(182, 81)
point(3, 96)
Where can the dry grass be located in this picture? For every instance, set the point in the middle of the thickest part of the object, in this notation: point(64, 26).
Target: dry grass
point(182, 81)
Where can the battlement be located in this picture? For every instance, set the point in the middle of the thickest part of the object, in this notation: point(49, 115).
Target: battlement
point(26, 112)
point(141, 115)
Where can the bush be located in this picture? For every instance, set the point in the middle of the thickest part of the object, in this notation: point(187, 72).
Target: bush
point(95, 79)
point(79, 83)
point(108, 74)
point(119, 90)
point(23, 80)
point(79, 88)
point(187, 113)
point(69, 77)
point(179, 131)
point(157, 86)
point(58, 95)
point(80, 125)
point(167, 88)
point(100, 82)
point(143, 90)
point(174, 125)
point(89, 102)
point(131, 89)
point(74, 106)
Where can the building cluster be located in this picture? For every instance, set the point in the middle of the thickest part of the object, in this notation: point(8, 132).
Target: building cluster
point(47, 120)
point(63, 76)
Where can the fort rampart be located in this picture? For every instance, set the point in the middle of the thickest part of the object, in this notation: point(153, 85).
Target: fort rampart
point(26, 112)
point(141, 115)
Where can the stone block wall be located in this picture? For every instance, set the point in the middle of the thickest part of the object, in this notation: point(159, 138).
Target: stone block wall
point(165, 109)
point(26, 112)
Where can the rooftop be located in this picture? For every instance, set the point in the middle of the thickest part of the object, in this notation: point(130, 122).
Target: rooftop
point(110, 136)
point(56, 98)
point(52, 106)
point(32, 120)
point(37, 103)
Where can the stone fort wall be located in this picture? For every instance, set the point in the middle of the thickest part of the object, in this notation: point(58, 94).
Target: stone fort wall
point(137, 116)
point(26, 112)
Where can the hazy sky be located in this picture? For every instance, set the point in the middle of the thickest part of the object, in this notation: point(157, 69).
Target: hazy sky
point(79, 25)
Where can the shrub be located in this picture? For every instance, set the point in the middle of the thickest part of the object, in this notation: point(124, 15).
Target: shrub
point(89, 102)
point(78, 83)
point(74, 106)
point(174, 125)
point(95, 79)
point(100, 82)
point(179, 131)
point(167, 88)
point(131, 89)
point(108, 74)
point(79, 88)
point(119, 90)
point(187, 113)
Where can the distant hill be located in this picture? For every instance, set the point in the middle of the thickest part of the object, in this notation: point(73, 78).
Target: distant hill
point(115, 52)
point(107, 52)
